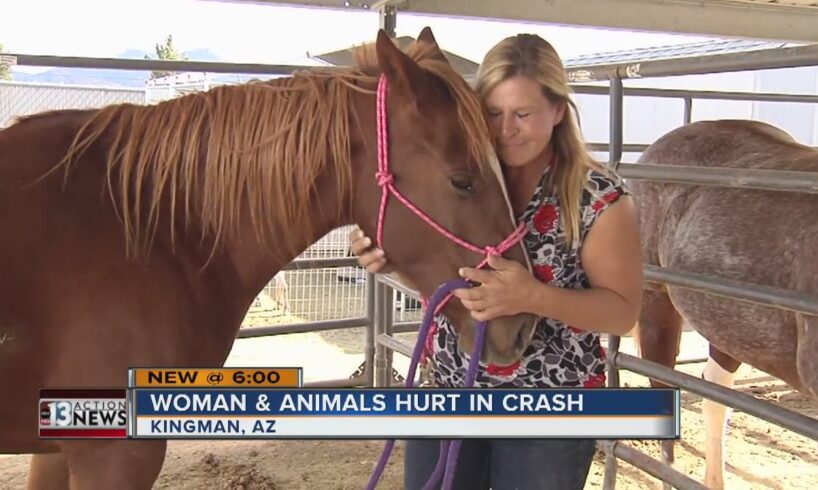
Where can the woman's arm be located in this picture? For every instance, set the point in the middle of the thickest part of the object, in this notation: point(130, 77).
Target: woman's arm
point(612, 259)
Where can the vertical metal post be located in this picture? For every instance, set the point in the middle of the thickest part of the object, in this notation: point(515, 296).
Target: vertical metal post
point(616, 101)
point(384, 304)
point(379, 328)
point(613, 352)
point(389, 329)
point(388, 19)
point(609, 481)
point(369, 348)
point(688, 118)
point(616, 94)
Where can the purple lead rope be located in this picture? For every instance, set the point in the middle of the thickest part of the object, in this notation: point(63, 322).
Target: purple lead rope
point(449, 450)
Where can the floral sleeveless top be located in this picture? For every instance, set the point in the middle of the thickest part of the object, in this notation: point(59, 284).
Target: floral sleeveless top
point(559, 355)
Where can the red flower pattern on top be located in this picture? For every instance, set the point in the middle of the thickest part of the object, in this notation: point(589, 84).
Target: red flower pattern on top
point(544, 273)
point(546, 218)
point(594, 381)
point(496, 370)
point(605, 200)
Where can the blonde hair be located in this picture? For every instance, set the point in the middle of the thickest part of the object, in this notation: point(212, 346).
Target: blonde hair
point(531, 56)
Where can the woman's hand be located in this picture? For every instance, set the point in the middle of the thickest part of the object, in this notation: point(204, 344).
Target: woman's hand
point(502, 291)
point(369, 257)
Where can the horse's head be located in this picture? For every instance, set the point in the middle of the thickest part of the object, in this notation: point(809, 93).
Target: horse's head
point(441, 159)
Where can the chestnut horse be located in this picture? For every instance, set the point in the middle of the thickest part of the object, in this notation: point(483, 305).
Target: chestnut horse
point(140, 235)
point(755, 236)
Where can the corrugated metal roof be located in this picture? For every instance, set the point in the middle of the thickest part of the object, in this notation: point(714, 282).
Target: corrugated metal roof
point(673, 51)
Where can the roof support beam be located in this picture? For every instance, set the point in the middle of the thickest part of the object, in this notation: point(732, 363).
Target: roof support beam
point(388, 20)
point(724, 18)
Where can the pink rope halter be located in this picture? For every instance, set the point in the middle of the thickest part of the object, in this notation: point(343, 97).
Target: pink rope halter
point(386, 180)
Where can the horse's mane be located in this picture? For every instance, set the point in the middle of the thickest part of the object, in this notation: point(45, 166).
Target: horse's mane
point(263, 146)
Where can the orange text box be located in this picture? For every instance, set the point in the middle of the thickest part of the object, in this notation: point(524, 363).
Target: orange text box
point(215, 377)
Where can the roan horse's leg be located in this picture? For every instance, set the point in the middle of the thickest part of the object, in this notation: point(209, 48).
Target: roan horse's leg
point(720, 369)
point(807, 357)
point(47, 472)
point(659, 334)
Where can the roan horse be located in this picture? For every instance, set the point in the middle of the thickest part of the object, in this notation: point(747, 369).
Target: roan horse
point(762, 237)
point(140, 235)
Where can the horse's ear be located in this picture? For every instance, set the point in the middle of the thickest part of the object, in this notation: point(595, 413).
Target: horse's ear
point(401, 71)
point(427, 37)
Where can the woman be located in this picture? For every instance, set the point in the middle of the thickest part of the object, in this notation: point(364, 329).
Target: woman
point(584, 245)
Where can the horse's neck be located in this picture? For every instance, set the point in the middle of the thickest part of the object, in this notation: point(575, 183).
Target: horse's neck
point(257, 263)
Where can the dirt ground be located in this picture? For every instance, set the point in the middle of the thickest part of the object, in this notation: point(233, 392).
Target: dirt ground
point(759, 454)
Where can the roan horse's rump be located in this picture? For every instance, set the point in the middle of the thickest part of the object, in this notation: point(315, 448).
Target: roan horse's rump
point(762, 237)
point(148, 244)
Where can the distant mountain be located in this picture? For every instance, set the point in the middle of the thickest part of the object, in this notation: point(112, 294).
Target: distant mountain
point(133, 54)
point(202, 54)
point(106, 77)
point(199, 54)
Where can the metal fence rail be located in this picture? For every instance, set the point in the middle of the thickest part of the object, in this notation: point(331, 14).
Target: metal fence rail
point(151, 65)
point(796, 422)
point(772, 180)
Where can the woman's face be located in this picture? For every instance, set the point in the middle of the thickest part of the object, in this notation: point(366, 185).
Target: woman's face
point(522, 120)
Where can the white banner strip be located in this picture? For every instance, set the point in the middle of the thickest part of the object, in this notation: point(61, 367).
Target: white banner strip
point(403, 426)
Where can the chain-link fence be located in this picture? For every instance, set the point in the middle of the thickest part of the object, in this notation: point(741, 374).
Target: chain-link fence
point(326, 293)
point(22, 99)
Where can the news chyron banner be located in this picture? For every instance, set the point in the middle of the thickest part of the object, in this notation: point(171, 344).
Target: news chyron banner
point(404, 413)
point(253, 403)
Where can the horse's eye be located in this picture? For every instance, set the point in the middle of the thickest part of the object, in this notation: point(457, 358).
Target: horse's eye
point(463, 183)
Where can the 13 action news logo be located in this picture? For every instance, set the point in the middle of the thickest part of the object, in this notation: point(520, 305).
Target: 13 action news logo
point(90, 413)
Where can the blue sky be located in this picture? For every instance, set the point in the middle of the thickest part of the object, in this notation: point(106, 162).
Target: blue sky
point(263, 33)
